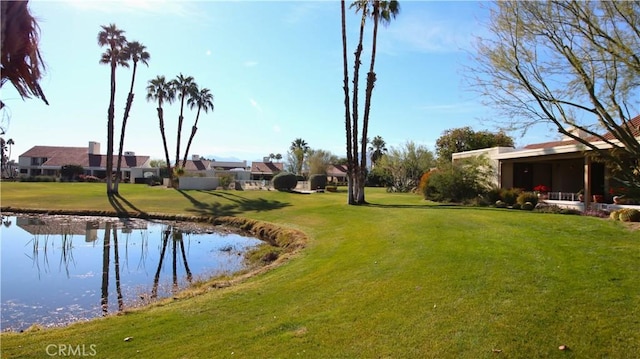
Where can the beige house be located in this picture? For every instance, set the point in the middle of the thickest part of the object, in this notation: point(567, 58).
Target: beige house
point(559, 165)
point(48, 161)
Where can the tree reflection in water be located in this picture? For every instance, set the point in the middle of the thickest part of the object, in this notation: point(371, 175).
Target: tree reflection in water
point(35, 292)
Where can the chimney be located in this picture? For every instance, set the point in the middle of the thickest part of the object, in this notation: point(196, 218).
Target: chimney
point(129, 153)
point(94, 148)
point(195, 157)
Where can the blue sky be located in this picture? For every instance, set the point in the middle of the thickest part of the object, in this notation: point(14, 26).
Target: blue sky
point(275, 69)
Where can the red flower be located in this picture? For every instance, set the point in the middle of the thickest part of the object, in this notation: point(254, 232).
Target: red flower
point(541, 188)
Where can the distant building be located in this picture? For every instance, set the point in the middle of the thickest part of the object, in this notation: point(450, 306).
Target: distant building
point(48, 161)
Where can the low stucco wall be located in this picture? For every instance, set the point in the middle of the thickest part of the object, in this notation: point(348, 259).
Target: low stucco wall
point(202, 183)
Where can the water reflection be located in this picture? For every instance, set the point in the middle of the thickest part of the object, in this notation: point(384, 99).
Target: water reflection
point(33, 291)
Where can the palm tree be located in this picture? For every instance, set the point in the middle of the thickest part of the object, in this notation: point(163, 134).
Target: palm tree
point(137, 53)
point(379, 11)
point(278, 157)
point(21, 61)
point(378, 149)
point(114, 38)
point(382, 11)
point(160, 90)
point(184, 87)
point(299, 147)
point(203, 99)
point(347, 108)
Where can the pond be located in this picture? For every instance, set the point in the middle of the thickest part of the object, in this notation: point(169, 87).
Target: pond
point(60, 269)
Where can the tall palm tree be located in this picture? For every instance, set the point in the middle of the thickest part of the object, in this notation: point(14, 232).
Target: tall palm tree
point(382, 11)
point(347, 108)
point(299, 147)
point(378, 148)
point(21, 61)
point(184, 87)
point(203, 99)
point(160, 90)
point(114, 39)
point(379, 11)
point(137, 53)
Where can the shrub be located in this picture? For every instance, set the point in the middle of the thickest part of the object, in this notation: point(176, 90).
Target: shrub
point(285, 181)
point(509, 196)
point(525, 197)
point(493, 195)
point(87, 178)
point(318, 181)
point(629, 215)
point(500, 204)
point(528, 206)
point(554, 209)
point(226, 180)
point(331, 188)
point(615, 215)
point(516, 206)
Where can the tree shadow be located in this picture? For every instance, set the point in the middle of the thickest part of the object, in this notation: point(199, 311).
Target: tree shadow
point(122, 206)
point(237, 206)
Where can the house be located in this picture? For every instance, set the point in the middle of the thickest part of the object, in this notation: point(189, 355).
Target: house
point(560, 165)
point(48, 160)
point(198, 166)
point(265, 170)
point(337, 173)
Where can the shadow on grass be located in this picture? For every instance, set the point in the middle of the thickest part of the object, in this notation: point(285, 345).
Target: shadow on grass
point(120, 204)
point(237, 206)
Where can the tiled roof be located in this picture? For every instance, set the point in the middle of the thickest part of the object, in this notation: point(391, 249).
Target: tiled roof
point(337, 170)
point(198, 165)
point(266, 167)
point(59, 156)
point(635, 130)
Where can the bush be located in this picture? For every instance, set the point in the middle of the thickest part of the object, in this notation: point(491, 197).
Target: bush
point(525, 197)
point(38, 179)
point(493, 195)
point(516, 206)
point(317, 181)
point(226, 180)
point(554, 209)
point(629, 215)
point(615, 215)
point(510, 196)
point(285, 181)
point(500, 204)
point(331, 188)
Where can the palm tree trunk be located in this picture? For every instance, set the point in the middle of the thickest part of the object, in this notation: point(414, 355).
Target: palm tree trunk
point(164, 143)
point(194, 128)
point(180, 120)
point(355, 184)
point(116, 265)
point(156, 277)
point(371, 79)
point(106, 248)
point(110, 128)
point(125, 117)
point(347, 112)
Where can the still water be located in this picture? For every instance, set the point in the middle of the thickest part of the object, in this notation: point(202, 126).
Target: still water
point(60, 269)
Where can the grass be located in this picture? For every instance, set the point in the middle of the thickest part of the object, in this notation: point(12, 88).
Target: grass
point(399, 278)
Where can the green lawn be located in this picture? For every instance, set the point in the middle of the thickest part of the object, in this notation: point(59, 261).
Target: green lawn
point(399, 278)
